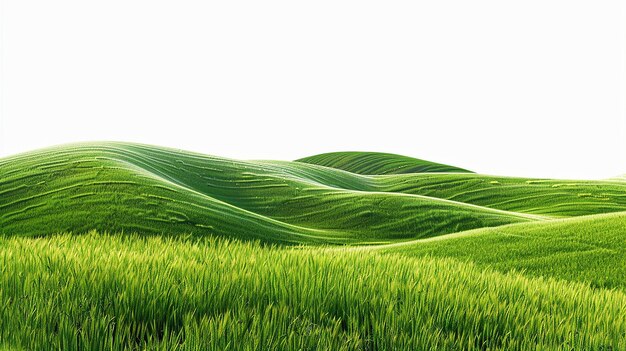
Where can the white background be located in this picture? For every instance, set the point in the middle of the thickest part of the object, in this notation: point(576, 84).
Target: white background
point(528, 88)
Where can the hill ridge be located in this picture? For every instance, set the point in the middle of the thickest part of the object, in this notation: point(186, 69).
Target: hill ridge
point(378, 163)
point(136, 187)
point(109, 182)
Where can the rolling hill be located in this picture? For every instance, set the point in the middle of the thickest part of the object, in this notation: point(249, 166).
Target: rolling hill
point(118, 246)
point(588, 249)
point(548, 197)
point(377, 163)
point(147, 189)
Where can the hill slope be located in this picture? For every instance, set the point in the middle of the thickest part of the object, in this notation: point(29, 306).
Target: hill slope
point(377, 163)
point(118, 291)
point(590, 249)
point(551, 197)
point(147, 189)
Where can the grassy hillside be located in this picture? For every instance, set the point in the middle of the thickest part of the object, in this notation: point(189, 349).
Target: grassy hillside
point(146, 189)
point(116, 292)
point(552, 197)
point(590, 249)
point(500, 263)
point(377, 163)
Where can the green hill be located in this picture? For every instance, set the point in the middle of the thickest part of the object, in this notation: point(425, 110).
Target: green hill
point(173, 254)
point(377, 163)
point(590, 249)
point(138, 188)
point(551, 197)
point(152, 190)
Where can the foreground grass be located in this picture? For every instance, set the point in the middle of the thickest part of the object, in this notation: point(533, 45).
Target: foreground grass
point(589, 249)
point(103, 292)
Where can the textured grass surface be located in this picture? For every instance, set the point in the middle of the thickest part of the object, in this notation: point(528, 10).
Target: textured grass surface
point(552, 197)
point(95, 292)
point(377, 163)
point(145, 189)
point(129, 187)
point(590, 249)
point(501, 263)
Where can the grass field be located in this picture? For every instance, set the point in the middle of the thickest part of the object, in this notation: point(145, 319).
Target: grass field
point(114, 292)
point(118, 246)
point(588, 249)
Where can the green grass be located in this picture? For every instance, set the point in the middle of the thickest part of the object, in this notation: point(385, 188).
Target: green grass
point(589, 249)
point(130, 187)
point(138, 188)
point(551, 197)
point(377, 163)
point(210, 253)
point(115, 292)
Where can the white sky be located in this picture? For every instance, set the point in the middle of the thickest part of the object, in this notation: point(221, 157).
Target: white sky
point(528, 88)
